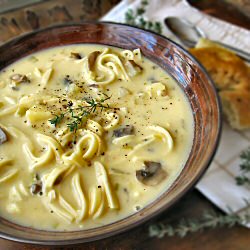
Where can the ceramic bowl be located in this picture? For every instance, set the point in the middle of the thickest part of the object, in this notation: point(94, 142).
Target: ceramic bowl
point(178, 63)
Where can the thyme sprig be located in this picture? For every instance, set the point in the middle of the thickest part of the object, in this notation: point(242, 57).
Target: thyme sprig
point(136, 18)
point(207, 220)
point(244, 177)
point(81, 113)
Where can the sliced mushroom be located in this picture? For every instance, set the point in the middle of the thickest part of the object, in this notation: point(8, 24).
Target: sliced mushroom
point(92, 58)
point(75, 55)
point(36, 188)
point(94, 86)
point(126, 130)
point(152, 173)
point(18, 78)
point(3, 137)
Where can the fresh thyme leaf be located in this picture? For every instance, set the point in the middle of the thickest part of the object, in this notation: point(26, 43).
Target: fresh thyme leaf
point(135, 18)
point(244, 177)
point(142, 22)
point(73, 126)
point(158, 27)
point(140, 11)
point(207, 220)
point(57, 119)
point(129, 17)
point(242, 180)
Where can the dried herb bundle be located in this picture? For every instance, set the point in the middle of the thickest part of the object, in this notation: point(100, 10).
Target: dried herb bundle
point(207, 220)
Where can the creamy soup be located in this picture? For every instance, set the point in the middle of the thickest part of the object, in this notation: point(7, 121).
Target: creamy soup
point(88, 135)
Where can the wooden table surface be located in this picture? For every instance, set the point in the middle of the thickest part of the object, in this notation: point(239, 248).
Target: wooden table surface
point(191, 205)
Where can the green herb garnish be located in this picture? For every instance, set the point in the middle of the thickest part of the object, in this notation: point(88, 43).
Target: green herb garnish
point(135, 18)
point(57, 119)
point(244, 178)
point(207, 220)
point(81, 113)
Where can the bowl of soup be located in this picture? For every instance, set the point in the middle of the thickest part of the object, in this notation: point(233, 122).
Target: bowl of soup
point(102, 126)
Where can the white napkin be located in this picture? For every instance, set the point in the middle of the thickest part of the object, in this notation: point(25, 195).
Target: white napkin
point(218, 184)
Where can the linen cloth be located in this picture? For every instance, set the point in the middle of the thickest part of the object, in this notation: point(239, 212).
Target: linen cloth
point(218, 184)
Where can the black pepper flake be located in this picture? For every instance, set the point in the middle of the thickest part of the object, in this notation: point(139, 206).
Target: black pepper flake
point(70, 104)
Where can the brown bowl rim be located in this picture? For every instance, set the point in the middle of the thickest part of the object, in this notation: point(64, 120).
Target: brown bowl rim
point(188, 187)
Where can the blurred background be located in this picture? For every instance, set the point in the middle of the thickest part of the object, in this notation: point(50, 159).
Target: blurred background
point(19, 16)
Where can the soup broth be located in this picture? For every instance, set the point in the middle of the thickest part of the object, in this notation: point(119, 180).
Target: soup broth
point(89, 135)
